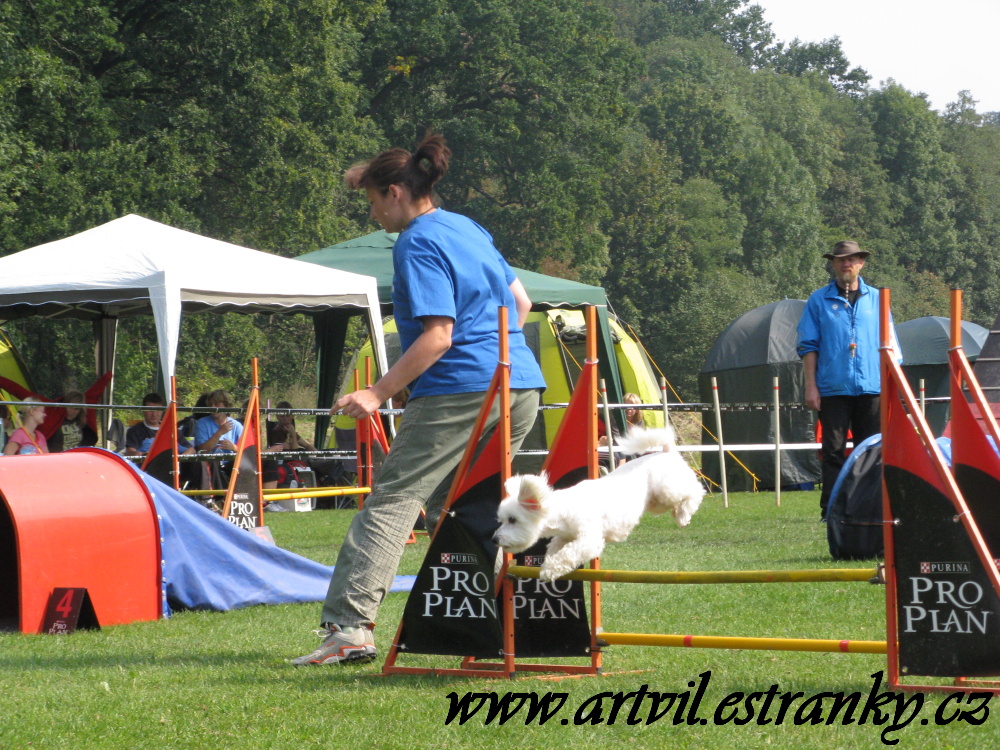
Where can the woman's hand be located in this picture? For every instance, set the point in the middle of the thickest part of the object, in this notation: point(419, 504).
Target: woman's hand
point(359, 404)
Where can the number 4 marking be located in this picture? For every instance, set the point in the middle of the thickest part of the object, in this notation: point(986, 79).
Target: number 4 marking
point(65, 605)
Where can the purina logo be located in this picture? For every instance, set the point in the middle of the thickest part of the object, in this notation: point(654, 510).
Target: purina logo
point(929, 568)
point(458, 558)
point(534, 561)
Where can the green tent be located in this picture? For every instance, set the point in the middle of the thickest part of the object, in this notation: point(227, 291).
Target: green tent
point(372, 256)
point(556, 337)
point(745, 358)
point(925, 343)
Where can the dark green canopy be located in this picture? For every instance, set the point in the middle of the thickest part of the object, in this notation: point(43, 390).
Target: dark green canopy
point(744, 360)
point(372, 255)
point(925, 343)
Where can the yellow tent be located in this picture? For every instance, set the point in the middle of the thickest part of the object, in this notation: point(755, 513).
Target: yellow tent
point(12, 366)
point(558, 340)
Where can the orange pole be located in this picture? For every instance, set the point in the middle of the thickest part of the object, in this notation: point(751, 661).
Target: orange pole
point(593, 471)
point(505, 458)
point(360, 444)
point(956, 318)
point(255, 405)
point(173, 449)
point(889, 549)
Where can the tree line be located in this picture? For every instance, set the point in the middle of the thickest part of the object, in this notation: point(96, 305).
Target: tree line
point(673, 151)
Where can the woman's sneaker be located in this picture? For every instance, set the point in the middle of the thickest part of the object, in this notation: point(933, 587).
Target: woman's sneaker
point(355, 646)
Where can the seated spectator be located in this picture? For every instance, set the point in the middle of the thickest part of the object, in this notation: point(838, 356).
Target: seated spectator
point(28, 439)
point(139, 437)
point(74, 430)
point(218, 433)
point(634, 417)
point(55, 415)
point(282, 435)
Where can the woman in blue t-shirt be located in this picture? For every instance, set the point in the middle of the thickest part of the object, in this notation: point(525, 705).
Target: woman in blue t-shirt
point(448, 283)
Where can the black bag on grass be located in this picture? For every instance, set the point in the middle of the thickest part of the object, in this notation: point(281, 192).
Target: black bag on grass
point(854, 517)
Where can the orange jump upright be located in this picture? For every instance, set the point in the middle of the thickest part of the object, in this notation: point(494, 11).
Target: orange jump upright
point(80, 519)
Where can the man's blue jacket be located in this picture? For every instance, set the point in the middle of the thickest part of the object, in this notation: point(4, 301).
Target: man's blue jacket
point(829, 326)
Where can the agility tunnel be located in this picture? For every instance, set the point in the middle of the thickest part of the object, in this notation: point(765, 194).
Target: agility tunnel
point(89, 519)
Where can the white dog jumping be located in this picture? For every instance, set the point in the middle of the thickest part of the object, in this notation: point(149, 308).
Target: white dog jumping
point(581, 518)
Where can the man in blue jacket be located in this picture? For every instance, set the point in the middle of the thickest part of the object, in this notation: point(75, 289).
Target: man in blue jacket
point(839, 344)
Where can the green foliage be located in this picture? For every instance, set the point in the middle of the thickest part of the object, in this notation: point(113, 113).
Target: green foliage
point(697, 318)
point(685, 105)
point(232, 118)
point(781, 240)
point(531, 98)
point(825, 58)
point(974, 142)
point(212, 354)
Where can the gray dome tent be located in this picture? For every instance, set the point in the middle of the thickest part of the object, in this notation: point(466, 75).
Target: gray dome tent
point(925, 343)
point(745, 358)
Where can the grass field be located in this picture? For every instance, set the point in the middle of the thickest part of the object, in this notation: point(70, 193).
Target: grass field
point(222, 680)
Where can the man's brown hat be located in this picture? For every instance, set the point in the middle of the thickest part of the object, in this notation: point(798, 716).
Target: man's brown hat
point(845, 248)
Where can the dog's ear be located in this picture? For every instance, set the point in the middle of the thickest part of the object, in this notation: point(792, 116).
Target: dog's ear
point(532, 492)
point(529, 502)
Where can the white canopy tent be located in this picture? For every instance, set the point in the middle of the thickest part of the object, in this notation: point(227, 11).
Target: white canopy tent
point(135, 266)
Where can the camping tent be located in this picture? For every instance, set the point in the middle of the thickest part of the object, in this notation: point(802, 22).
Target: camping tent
point(558, 341)
point(372, 254)
point(11, 365)
point(135, 266)
point(987, 367)
point(745, 358)
point(925, 343)
point(13, 368)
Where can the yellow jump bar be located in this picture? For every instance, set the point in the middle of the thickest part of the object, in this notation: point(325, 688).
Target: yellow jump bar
point(719, 576)
point(287, 494)
point(735, 642)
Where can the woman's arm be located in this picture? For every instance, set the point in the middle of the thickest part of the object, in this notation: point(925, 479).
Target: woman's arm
point(521, 301)
point(428, 348)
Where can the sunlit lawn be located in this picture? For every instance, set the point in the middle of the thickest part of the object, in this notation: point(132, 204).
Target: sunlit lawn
point(204, 679)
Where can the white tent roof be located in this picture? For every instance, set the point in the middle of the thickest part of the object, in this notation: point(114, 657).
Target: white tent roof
point(133, 265)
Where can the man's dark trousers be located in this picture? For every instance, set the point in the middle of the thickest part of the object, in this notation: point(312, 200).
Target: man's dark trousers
point(837, 414)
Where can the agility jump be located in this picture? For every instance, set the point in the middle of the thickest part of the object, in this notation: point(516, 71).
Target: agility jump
point(916, 477)
point(573, 457)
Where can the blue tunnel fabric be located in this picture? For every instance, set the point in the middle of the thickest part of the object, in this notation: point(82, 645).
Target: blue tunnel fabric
point(210, 564)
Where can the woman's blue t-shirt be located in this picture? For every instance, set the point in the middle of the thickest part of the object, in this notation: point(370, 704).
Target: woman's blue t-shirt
point(445, 264)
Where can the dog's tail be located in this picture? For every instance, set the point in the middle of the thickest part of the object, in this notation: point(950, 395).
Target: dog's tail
point(640, 440)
